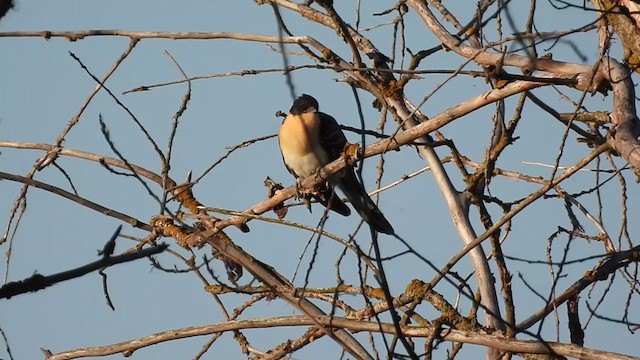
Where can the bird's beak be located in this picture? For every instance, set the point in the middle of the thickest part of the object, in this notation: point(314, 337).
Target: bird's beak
point(311, 110)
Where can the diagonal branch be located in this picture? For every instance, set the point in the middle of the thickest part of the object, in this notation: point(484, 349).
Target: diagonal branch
point(279, 285)
point(385, 145)
point(38, 282)
point(77, 199)
point(601, 272)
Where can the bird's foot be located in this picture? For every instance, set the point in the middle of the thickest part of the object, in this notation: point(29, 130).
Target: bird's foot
point(316, 175)
point(302, 193)
point(296, 187)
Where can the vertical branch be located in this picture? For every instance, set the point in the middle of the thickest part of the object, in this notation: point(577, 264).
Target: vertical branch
point(166, 164)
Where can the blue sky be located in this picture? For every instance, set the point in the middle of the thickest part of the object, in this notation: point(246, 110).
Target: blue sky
point(42, 88)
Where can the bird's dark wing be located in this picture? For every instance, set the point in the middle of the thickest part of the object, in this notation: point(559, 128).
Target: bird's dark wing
point(333, 141)
point(332, 138)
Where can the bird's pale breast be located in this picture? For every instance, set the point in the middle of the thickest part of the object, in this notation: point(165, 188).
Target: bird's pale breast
point(298, 138)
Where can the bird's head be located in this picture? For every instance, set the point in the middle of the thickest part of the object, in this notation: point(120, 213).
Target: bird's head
point(303, 104)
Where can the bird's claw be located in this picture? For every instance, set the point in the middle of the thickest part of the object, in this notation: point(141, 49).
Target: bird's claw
point(296, 186)
point(316, 175)
point(302, 194)
point(301, 191)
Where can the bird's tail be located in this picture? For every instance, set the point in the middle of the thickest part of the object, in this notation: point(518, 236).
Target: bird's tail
point(329, 199)
point(364, 205)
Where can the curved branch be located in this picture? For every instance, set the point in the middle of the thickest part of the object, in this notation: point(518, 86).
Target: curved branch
point(623, 116)
point(494, 341)
point(80, 35)
point(85, 156)
point(77, 199)
point(584, 73)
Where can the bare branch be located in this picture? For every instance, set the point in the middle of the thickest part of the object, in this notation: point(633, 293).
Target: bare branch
point(39, 282)
point(494, 341)
point(75, 198)
point(601, 272)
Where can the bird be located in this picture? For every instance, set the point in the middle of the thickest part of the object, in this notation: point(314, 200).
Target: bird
point(310, 139)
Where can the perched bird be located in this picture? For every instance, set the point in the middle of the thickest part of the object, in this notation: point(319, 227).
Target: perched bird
point(309, 140)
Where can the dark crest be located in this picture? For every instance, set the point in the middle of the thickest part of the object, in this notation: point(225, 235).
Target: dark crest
point(304, 104)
